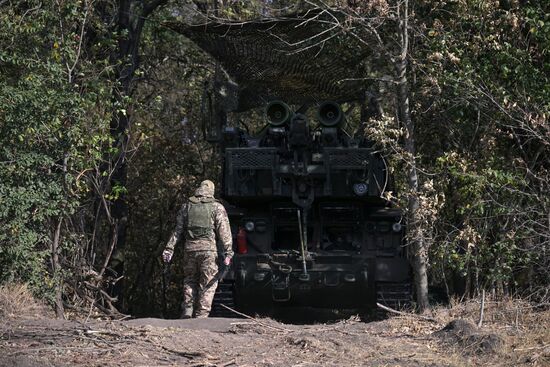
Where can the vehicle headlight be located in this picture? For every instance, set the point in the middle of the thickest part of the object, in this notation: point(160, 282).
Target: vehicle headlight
point(249, 226)
point(360, 189)
point(396, 227)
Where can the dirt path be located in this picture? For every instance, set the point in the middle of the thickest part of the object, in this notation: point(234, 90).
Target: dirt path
point(219, 342)
point(399, 341)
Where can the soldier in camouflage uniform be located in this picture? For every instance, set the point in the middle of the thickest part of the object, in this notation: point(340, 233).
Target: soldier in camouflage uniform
point(200, 221)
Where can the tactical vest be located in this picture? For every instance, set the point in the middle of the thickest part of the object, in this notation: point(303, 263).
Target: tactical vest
point(199, 218)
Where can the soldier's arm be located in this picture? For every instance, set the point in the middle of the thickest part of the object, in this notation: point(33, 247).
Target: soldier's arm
point(223, 229)
point(180, 224)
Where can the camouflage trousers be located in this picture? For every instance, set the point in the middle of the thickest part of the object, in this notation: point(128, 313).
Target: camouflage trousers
point(199, 268)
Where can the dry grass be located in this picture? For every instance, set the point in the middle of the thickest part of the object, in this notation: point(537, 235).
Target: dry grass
point(529, 338)
point(16, 300)
point(524, 328)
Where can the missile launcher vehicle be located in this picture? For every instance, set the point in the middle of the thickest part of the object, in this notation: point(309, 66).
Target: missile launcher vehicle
point(311, 227)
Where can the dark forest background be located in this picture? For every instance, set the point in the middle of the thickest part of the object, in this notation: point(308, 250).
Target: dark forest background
point(101, 140)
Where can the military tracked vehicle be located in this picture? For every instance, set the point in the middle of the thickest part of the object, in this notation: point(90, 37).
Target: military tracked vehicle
point(310, 225)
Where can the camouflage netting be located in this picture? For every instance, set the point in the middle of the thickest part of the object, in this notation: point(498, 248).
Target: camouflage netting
point(299, 59)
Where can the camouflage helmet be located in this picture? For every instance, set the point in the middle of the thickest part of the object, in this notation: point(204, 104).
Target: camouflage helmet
point(206, 188)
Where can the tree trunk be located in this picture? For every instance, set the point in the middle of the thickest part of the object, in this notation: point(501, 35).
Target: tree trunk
point(132, 15)
point(59, 312)
point(417, 241)
point(56, 268)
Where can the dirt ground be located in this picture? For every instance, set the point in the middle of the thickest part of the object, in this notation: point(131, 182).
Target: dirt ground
point(405, 341)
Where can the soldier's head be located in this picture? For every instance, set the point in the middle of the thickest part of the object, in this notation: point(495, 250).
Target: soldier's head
point(206, 188)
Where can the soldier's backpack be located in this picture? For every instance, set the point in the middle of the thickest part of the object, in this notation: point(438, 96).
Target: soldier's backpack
point(199, 218)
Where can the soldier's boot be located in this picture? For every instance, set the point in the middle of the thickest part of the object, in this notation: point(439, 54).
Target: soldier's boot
point(187, 313)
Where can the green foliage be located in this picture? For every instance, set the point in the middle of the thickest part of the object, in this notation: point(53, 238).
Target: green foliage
point(482, 101)
point(480, 219)
point(52, 128)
